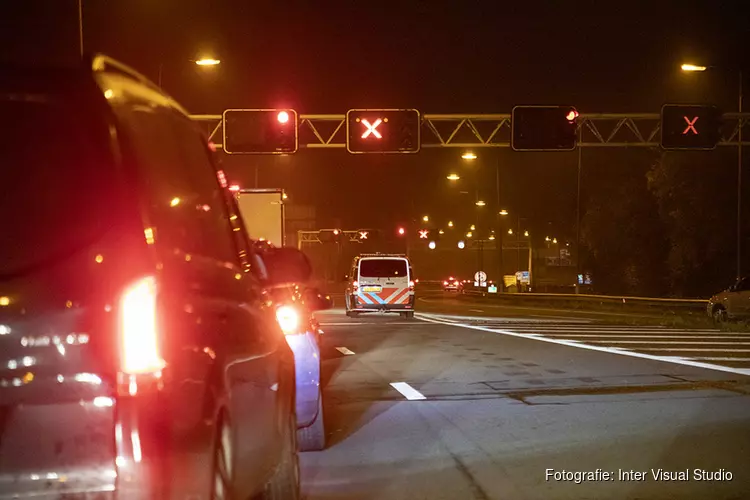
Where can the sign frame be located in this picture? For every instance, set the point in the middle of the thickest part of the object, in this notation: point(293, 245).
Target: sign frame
point(383, 110)
point(549, 106)
point(714, 108)
point(293, 114)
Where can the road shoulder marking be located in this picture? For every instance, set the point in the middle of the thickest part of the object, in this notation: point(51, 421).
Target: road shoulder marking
point(612, 350)
point(345, 351)
point(408, 391)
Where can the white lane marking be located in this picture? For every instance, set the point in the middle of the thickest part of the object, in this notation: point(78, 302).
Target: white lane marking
point(542, 319)
point(611, 350)
point(673, 342)
point(407, 391)
point(710, 358)
point(476, 310)
point(689, 349)
point(344, 351)
point(647, 336)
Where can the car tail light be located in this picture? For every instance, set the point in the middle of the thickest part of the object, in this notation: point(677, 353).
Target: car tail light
point(140, 352)
point(288, 319)
point(411, 285)
point(445, 283)
point(355, 286)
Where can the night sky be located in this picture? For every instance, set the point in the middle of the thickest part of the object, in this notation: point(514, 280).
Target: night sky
point(441, 57)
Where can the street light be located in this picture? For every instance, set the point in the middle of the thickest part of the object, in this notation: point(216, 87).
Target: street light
point(450, 223)
point(453, 177)
point(526, 233)
point(426, 218)
point(687, 67)
point(692, 67)
point(480, 203)
point(510, 231)
point(469, 156)
point(207, 61)
point(469, 234)
point(503, 212)
point(473, 227)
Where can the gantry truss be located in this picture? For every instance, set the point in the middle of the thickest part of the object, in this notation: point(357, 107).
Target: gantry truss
point(493, 130)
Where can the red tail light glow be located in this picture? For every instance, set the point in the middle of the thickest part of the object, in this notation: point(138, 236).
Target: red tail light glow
point(445, 282)
point(139, 331)
point(288, 319)
point(411, 285)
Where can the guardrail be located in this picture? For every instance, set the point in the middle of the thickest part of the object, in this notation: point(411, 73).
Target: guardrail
point(595, 301)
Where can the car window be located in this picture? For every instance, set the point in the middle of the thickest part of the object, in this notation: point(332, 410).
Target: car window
point(184, 196)
point(382, 268)
point(60, 188)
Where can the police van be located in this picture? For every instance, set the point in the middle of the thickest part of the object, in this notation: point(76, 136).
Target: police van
point(380, 283)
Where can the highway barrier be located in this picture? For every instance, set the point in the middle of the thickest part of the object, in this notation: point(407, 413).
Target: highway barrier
point(588, 302)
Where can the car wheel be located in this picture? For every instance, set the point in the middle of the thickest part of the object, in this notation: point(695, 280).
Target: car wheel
point(285, 484)
point(222, 475)
point(313, 437)
point(410, 314)
point(720, 315)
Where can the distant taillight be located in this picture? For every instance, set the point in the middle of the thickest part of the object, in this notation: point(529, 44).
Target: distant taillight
point(445, 283)
point(140, 352)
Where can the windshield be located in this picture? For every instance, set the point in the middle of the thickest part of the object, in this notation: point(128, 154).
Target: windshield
point(382, 268)
point(58, 191)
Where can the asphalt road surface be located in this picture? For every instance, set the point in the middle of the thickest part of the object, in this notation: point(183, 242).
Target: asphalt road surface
point(484, 406)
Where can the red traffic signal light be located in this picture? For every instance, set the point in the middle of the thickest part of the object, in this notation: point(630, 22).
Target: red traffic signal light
point(363, 235)
point(383, 131)
point(401, 231)
point(336, 232)
point(260, 131)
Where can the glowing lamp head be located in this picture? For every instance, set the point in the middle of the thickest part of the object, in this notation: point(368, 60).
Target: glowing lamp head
point(401, 231)
point(288, 319)
point(283, 117)
point(572, 115)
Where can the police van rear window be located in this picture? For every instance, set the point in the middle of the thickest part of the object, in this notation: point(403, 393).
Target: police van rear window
point(382, 268)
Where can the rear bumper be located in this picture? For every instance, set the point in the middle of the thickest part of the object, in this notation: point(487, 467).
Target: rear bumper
point(99, 446)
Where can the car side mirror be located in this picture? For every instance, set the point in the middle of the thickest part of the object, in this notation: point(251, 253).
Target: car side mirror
point(317, 301)
point(286, 266)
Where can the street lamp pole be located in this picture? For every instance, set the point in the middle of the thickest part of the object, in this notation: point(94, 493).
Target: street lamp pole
point(739, 183)
point(578, 213)
point(80, 26)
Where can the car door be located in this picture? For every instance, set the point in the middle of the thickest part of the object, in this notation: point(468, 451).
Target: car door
point(253, 348)
point(739, 299)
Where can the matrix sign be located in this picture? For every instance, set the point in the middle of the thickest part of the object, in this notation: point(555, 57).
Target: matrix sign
point(383, 131)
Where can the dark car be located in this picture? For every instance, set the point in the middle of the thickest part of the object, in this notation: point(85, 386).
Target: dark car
point(452, 285)
point(139, 359)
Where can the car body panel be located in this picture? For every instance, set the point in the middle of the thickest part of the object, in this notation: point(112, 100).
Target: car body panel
point(71, 423)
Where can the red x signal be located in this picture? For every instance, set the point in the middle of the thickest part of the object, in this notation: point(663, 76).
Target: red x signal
point(690, 125)
point(423, 233)
point(363, 235)
point(372, 129)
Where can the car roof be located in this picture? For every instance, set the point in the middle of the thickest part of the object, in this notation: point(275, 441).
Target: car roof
point(95, 80)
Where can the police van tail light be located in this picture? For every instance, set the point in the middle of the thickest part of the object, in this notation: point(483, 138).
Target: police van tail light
point(140, 351)
point(355, 285)
point(411, 286)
